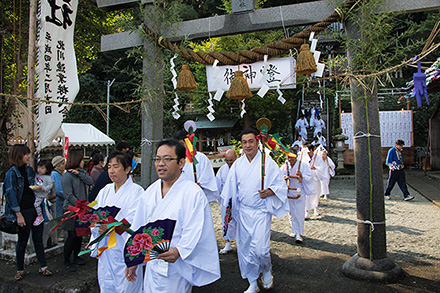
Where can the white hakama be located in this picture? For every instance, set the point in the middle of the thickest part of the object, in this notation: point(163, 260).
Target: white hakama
point(301, 125)
point(193, 236)
point(319, 125)
point(324, 170)
point(205, 176)
point(254, 213)
point(111, 265)
point(221, 176)
point(297, 194)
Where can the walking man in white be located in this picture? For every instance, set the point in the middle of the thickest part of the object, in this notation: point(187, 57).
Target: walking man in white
point(297, 174)
point(192, 259)
point(222, 174)
point(254, 207)
point(318, 124)
point(301, 125)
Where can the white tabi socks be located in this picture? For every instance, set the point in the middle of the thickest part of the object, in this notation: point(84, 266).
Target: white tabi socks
point(253, 287)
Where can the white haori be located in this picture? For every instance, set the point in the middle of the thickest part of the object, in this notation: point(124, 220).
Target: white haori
point(319, 126)
point(205, 176)
point(221, 176)
point(324, 170)
point(111, 265)
point(253, 213)
point(301, 125)
point(193, 236)
point(296, 188)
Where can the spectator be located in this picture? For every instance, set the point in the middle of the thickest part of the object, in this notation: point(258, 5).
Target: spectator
point(59, 164)
point(20, 208)
point(98, 166)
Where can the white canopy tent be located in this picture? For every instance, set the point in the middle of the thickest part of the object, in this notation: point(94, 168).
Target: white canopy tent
point(85, 134)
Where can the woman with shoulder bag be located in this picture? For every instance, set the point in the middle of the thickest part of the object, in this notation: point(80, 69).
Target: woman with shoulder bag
point(76, 184)
point(19, 207)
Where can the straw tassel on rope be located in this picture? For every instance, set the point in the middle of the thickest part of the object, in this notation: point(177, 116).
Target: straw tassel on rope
point(239, 88)
point(306, 62)
point(185, 80)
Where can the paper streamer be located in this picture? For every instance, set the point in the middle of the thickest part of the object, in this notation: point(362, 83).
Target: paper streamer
point(280, 94)
point(265, 87)
point(173, 71)
point(219, 92)
point(243, 111)
point(211, 110)
point(176, 107)
point(316, 55)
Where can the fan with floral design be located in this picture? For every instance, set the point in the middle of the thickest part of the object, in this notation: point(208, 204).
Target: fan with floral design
point(148, 242)
point(92, 216)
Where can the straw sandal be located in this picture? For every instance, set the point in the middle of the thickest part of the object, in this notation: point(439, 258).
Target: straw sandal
point(19, 275)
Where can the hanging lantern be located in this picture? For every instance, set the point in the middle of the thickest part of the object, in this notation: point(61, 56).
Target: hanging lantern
point(239, 88)
point(185, 80)
point(306, 62)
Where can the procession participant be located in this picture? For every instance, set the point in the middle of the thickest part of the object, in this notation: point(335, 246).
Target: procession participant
point(124, 194)
point(298, 142)
point(397, 173)
point(221, 176)
point(318, 124)
point(76, 185)
point(314, 186)
point(313, 113)
point(315, 141)
point(204, 170)
point(253, 209)
point(297, 174)
point(321, 139)
point(192, 259)
point(325, 168)
point(301, 125)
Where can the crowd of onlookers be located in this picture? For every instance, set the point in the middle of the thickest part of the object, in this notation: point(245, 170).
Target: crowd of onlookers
point(34, 198)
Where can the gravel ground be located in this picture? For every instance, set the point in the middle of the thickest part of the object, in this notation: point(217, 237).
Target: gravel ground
point(413, 238)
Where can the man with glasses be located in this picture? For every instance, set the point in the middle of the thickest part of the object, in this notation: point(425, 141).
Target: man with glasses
point(192, 259)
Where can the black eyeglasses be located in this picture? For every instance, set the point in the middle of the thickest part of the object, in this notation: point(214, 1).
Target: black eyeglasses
point(157, 160)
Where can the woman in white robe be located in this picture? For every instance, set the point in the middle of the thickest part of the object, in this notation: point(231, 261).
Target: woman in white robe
point(124, 194)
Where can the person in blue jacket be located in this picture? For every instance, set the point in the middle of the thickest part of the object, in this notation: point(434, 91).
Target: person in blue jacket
point(19, 207)
point(397, 174)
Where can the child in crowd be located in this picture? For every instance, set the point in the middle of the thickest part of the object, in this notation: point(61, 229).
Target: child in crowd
point(43, 188)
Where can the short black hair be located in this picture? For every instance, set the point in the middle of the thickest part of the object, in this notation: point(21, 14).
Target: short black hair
point(179, 135)
point(178, 148)
point(122, 145)
point(123, 158)
point(248, 131)
point(98, 157)
point(47, 164)
point(400, 142)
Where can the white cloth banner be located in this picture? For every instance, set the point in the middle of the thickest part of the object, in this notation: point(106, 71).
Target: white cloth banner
point(278, 70)
point(57, 77)
point(394, 125)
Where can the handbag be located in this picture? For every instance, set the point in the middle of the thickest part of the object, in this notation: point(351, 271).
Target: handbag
point(47, 209)
point(8, 227)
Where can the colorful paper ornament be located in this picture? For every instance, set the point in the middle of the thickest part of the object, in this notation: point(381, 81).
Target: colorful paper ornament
point(420, 85)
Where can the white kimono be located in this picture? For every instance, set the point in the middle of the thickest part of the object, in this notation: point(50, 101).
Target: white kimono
point(319, 125)
point(221, 176)
point(301, 125)
point(193, 236)
point(111, 265)
point(297, 194)
point(205, 176)
point(252, 213)
point(299, 143)
point(321, 140)
point(324, 170)
point(314, 186)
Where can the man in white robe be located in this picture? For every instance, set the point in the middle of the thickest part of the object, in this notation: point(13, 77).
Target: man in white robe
point(192, 259)
point(204, 171)
point(321, 139)
point(314, 187)
point(298, 142)
point(324, 169)
point(222, 174)
point(253, 207)
point(319, 125)
point(297, 174)
point(124, 194)
point(301, 125)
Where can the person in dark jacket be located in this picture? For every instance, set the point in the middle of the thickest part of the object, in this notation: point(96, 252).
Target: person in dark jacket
point(19, 207)
point(76, 184)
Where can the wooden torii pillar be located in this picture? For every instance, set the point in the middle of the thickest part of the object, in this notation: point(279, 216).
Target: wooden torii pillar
point(246, 19)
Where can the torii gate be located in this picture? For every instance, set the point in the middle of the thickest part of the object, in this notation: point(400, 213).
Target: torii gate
point(366, 264)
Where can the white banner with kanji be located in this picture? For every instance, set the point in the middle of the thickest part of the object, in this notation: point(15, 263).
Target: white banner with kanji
point(279, 71)
point(57, 77)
